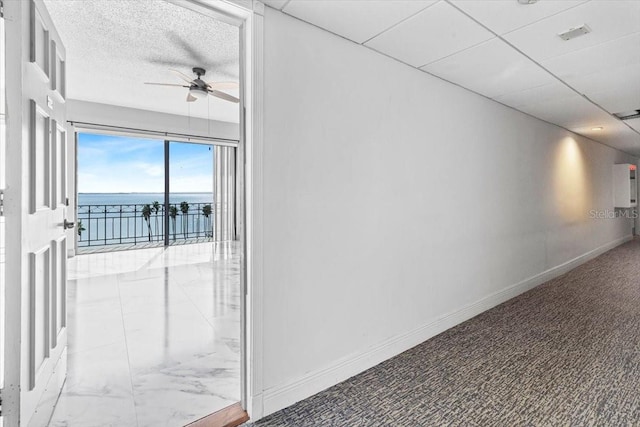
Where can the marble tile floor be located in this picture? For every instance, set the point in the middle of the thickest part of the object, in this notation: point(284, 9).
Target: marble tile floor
point(154, 336)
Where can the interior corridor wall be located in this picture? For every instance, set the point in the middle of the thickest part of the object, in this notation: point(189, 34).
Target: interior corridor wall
point(397, 205)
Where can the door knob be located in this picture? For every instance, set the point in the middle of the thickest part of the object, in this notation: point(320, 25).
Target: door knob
point(68, 225)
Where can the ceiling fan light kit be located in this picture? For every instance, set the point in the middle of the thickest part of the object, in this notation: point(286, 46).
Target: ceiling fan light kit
point(198, 92)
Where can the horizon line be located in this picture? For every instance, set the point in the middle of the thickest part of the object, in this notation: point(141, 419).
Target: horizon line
point(151, 192)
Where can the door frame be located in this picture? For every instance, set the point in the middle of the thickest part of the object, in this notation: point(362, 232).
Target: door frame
point(248, 16)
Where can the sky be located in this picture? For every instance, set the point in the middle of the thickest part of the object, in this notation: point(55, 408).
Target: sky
point(120, 164)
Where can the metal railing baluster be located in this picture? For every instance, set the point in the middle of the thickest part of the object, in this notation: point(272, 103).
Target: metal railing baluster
point(135, 223)
point(192, 225)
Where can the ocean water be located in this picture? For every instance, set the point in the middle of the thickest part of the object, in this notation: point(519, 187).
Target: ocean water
point(141, 198)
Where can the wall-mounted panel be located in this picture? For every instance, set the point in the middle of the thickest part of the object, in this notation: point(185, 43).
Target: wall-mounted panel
point(40, 158)
point(39, 312)
point(625, 190)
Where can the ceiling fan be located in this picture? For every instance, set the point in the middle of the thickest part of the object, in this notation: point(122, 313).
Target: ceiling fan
point(198, 88)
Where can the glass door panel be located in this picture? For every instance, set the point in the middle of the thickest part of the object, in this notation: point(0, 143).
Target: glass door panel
point(120, 191)
point(191, 192)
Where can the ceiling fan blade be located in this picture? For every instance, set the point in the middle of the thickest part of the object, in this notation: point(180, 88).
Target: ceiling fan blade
point(183, 76)
point(222, 85)
point(164, 84)
point(224, 96)
point(191, 98)
point(187, 47)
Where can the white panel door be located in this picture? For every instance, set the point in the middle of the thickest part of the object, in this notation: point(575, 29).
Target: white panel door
point(44, 317)
point(35, 215)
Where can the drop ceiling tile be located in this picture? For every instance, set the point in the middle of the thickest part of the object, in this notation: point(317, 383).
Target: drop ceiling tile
point(610, 126)
point(491, 68)
point(503, 16)
point(608, 20)
point(634, 123)
point(432, 34)
point(623, 139)
point(355, 19)
point(615, 134)
point(568, 111)
point(276, 4)
point(615, 89)
point(550, 93)
point(613, 54)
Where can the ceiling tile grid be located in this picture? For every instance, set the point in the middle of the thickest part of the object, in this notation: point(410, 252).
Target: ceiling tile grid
point(492, 69)
point(607, 20)
point(553, 92)
point(373, 17)
point(616, 90)
point(508, 51)
point(616, 53)
point(572, 111)
point(430, 35)
point(607, 73)
point(634, 123)
point(503, 16)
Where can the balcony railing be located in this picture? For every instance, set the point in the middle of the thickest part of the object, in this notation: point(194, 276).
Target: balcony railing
point(103, 225)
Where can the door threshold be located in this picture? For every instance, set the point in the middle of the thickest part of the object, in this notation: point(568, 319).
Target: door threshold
point(231, 416)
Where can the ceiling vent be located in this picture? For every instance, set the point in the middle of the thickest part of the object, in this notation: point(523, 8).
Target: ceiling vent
point(628, 115)
point(575, 32)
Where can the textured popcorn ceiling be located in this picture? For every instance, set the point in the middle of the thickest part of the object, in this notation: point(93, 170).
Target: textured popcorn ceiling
point(114, 46)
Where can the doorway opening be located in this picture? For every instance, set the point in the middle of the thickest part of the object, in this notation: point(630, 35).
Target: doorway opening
point(79, 66)
point(155, 328)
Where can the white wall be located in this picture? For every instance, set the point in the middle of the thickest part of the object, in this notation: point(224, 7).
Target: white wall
point(397, 205)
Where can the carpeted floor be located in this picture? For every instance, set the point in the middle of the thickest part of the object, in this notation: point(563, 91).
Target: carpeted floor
point(564, 354)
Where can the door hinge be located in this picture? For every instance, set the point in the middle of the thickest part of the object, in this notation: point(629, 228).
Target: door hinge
point(1, 202)
point(1, 9)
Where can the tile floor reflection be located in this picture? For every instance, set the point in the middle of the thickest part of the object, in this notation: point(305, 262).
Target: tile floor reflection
point(154, 336)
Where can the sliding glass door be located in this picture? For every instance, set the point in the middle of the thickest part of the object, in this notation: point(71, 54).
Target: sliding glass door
point(191, 192)
point(138, 192)
point(120, 187)
point(225, 193)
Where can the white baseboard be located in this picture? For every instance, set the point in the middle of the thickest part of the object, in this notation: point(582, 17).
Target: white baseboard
point(276, 398)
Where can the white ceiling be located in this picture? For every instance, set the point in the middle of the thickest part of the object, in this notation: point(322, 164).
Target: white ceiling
point(114, 46)
point(509, 52)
